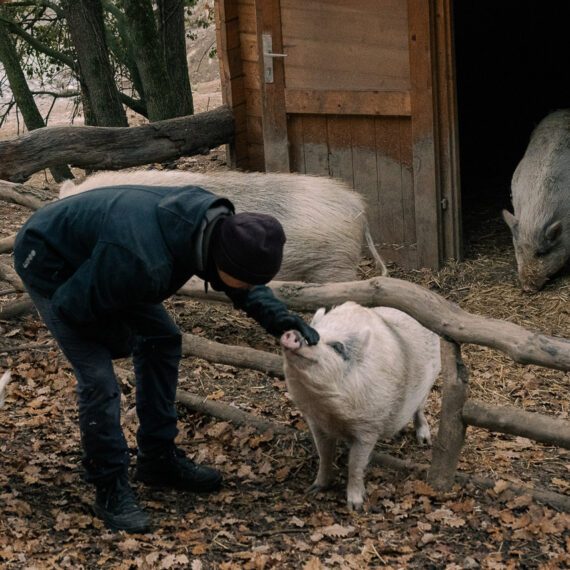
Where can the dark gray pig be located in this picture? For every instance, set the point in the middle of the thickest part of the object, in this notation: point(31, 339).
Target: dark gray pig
point(541, 200)
point(369, 375)
point(324, 220)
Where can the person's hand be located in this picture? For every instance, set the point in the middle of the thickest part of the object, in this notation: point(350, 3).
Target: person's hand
point(295, 322)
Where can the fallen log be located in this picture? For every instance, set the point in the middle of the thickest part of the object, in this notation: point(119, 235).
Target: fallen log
point(7, 243)
point(535, 426)
point(113, 148)
point(16, 308)
point(31, 198)
point(433, 311)
point(217, 410)
point(240, 356)
point(10, 276)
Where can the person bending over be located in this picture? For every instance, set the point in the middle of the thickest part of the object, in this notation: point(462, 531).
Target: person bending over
point(97, 266)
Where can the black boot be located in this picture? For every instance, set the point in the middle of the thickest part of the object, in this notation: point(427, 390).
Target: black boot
point(171, 468)
point(116, 505)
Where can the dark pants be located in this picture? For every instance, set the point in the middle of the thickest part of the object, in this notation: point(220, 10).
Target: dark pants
point(156, 356)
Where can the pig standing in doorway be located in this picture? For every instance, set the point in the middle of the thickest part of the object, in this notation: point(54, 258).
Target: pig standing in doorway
point(369, 375)
point(541, 200)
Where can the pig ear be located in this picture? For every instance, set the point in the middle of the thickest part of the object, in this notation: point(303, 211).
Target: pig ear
point(553, 231)
point(318, 315)
point(511, 221)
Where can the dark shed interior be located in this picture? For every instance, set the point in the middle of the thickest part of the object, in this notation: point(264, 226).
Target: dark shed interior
point(512, 62)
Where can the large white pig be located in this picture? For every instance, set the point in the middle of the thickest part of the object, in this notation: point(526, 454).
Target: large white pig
point(541, 200)
point(369, 376)
point(324, 220)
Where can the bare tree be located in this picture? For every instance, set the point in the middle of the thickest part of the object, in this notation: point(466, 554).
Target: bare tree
point(21, 91)
point(172, 36)
point(85, 22)
point(141, 41)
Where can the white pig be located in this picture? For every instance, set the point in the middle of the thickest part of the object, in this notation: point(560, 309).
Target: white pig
point(324, 220)
point(368, 376)
point(541, 201)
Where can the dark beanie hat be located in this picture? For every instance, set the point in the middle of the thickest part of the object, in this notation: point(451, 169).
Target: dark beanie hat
point(249, 247)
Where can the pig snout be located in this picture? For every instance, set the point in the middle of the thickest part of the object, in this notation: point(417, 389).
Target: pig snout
point(292, 340)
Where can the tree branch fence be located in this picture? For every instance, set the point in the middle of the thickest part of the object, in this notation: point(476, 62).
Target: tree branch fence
point(455, 327)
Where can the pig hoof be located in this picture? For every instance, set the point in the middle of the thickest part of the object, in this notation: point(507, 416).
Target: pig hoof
point(423, 436)
point(355, 505)
point(355, 499)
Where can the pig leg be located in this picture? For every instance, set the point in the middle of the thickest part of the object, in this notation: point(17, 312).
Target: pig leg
point(326, 448)
point(423, 434)
point(358, 457)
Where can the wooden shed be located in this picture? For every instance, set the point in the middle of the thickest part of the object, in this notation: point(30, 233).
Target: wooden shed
point(420, 105)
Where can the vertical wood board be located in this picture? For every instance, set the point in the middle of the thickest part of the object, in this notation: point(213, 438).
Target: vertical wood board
point(390, 191)
point(426, 189)
point(296, 143)
point(315, 147)
point(339, 149)
point(268, 17)
point(447, 131)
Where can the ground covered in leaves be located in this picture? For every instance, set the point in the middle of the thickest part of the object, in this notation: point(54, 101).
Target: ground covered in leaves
point(262, 518)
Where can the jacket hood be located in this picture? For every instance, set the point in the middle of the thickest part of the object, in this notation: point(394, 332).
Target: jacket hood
point(180, 215)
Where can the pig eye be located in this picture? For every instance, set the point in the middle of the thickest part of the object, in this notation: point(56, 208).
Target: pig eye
point(339, 348)
point(542, 251)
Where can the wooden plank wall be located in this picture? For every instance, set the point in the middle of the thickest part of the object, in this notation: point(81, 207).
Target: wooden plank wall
point(372, 155)
point(348, 46)
point(359, 103)
point(348, 101)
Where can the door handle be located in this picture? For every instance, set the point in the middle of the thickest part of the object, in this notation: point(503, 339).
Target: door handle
point(268, 57)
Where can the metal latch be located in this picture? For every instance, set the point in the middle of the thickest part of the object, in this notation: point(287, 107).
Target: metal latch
point(268, 56)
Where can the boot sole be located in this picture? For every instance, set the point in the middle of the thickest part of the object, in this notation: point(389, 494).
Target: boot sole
point(136, 528)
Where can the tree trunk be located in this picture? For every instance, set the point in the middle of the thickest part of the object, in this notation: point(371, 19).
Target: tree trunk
point(172, 34)
point(85, 21)
point(18, 84)
point(22, 94)
point(123, 53)
point(159, 96)
point(32, 198)
point(106, 148)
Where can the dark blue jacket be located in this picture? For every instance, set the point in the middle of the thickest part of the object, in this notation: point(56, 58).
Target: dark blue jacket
point(104, 250)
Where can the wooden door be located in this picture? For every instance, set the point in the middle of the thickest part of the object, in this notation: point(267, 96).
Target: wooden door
point(348, 91)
